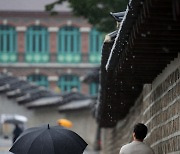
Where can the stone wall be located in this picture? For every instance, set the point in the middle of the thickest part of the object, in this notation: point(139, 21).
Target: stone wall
point(158, 107)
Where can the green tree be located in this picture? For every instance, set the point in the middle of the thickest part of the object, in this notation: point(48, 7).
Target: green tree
point(95, 11)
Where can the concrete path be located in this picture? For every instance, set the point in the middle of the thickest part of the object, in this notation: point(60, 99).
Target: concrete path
point(5, 145)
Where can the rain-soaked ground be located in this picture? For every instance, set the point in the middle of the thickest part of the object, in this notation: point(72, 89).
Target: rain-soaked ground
point(5, 145)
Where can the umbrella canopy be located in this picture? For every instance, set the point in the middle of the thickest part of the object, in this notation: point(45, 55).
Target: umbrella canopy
point(65, 123)
point(48, 140)
point(13, 119)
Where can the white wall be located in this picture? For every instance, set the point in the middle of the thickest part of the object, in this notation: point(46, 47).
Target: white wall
point(83, 122)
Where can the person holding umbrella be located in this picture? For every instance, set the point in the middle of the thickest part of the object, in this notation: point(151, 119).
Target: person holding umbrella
point(16, 132)
point(48, 140)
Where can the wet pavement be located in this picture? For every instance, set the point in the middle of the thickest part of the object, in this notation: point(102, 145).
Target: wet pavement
point(5, 145)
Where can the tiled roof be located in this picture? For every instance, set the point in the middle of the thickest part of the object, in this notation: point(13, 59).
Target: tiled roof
point(33, 96)
point(147, 40)
point(76, 105)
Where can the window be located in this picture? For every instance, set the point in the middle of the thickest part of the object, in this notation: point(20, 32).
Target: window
point(37, 39)
point(68, 82)
point(69, 44)
point(37, 44)
point(8, 43)
point(95, 43)
point(40, 80)
point(69, 40)
point(93, 89)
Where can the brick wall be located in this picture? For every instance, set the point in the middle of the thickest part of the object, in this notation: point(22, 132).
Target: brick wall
point(158, 107)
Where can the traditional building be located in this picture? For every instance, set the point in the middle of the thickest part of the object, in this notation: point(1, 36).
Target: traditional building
point(140, 78)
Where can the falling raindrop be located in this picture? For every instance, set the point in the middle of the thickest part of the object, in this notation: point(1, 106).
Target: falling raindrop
point(131, 66)
point(132, 87)
point(169, 27)
point(165, 49)
point(126, 58)
point(143, 35)
point(148, 32)
point(134, 56)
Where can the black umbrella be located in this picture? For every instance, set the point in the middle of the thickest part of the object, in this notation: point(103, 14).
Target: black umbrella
point(48, 140)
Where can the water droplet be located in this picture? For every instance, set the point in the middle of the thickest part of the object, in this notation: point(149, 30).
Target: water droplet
point(165, 49)
point(143, 35)
point(169, 27)
point(148, 32)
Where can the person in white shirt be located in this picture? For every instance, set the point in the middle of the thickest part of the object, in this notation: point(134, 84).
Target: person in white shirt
point(137, 146)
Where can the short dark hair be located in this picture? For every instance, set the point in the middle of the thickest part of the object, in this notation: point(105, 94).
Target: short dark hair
point(140, 131)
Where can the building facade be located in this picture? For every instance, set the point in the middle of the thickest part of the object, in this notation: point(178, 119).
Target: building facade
point(52, 51)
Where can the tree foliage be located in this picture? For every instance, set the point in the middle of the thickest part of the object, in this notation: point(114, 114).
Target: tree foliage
point(95, 11)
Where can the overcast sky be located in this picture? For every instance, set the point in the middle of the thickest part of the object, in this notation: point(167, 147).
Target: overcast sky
point(29, 5)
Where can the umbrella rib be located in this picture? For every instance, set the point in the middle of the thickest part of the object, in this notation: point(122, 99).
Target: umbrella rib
point(76, 141)
point(35, 139)
point(51, 139)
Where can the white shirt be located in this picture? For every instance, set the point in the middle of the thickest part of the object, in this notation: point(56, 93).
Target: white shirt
point(136, 147)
